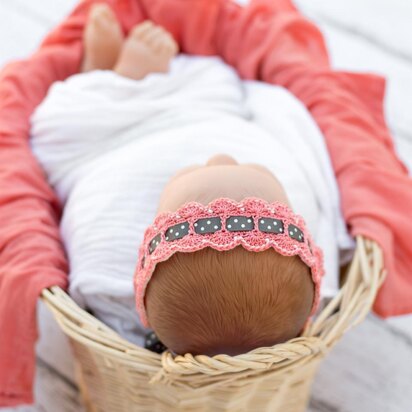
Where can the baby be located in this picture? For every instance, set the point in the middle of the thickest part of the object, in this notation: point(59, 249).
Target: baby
point(226, 266)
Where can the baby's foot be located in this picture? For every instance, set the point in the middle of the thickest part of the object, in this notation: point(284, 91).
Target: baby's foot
point(148, 49)
point(103, 39)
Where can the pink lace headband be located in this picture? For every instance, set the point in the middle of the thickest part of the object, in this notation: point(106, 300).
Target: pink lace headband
point(223, 224)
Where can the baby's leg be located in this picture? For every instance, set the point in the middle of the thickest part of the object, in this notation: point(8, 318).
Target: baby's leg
point(103, 39)
point(148, 49)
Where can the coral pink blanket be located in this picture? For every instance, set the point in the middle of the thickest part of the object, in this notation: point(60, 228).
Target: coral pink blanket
point(268, 40)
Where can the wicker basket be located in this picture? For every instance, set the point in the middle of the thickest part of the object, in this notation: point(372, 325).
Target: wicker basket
point(117, 376)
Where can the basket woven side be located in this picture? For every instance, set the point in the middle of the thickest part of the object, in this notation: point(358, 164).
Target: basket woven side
point(117, 376)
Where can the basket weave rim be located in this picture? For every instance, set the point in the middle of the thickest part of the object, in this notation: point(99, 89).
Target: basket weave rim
point(348, 308)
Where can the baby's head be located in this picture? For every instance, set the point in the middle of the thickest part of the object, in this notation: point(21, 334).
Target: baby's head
point(211, 302)
point(227, 266)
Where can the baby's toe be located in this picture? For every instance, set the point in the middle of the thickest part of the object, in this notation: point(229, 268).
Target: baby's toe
point(140, 31)
point(102, 13)
point(154, 37)
point(170, 46)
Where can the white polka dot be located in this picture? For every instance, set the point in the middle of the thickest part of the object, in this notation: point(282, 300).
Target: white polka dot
point(291, 233)
point(262, 221)
point(171, 230)
point(208, 222)
point(202, 228)
point(275, 223)
point(195, 224)
point(243, 225)
point(157, 243)
point(295, 230)
point(177, 233)
point(249, 220)
point(236, 220)
point(280, 230)
point(269, 227)
point(229, 226)
point(182, 227)
point(167, 237)
point(216, 227)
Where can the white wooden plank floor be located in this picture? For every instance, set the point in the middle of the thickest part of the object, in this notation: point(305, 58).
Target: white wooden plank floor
point(369, 371)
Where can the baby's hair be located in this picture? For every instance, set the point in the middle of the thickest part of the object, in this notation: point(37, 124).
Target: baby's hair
point(210, 302)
